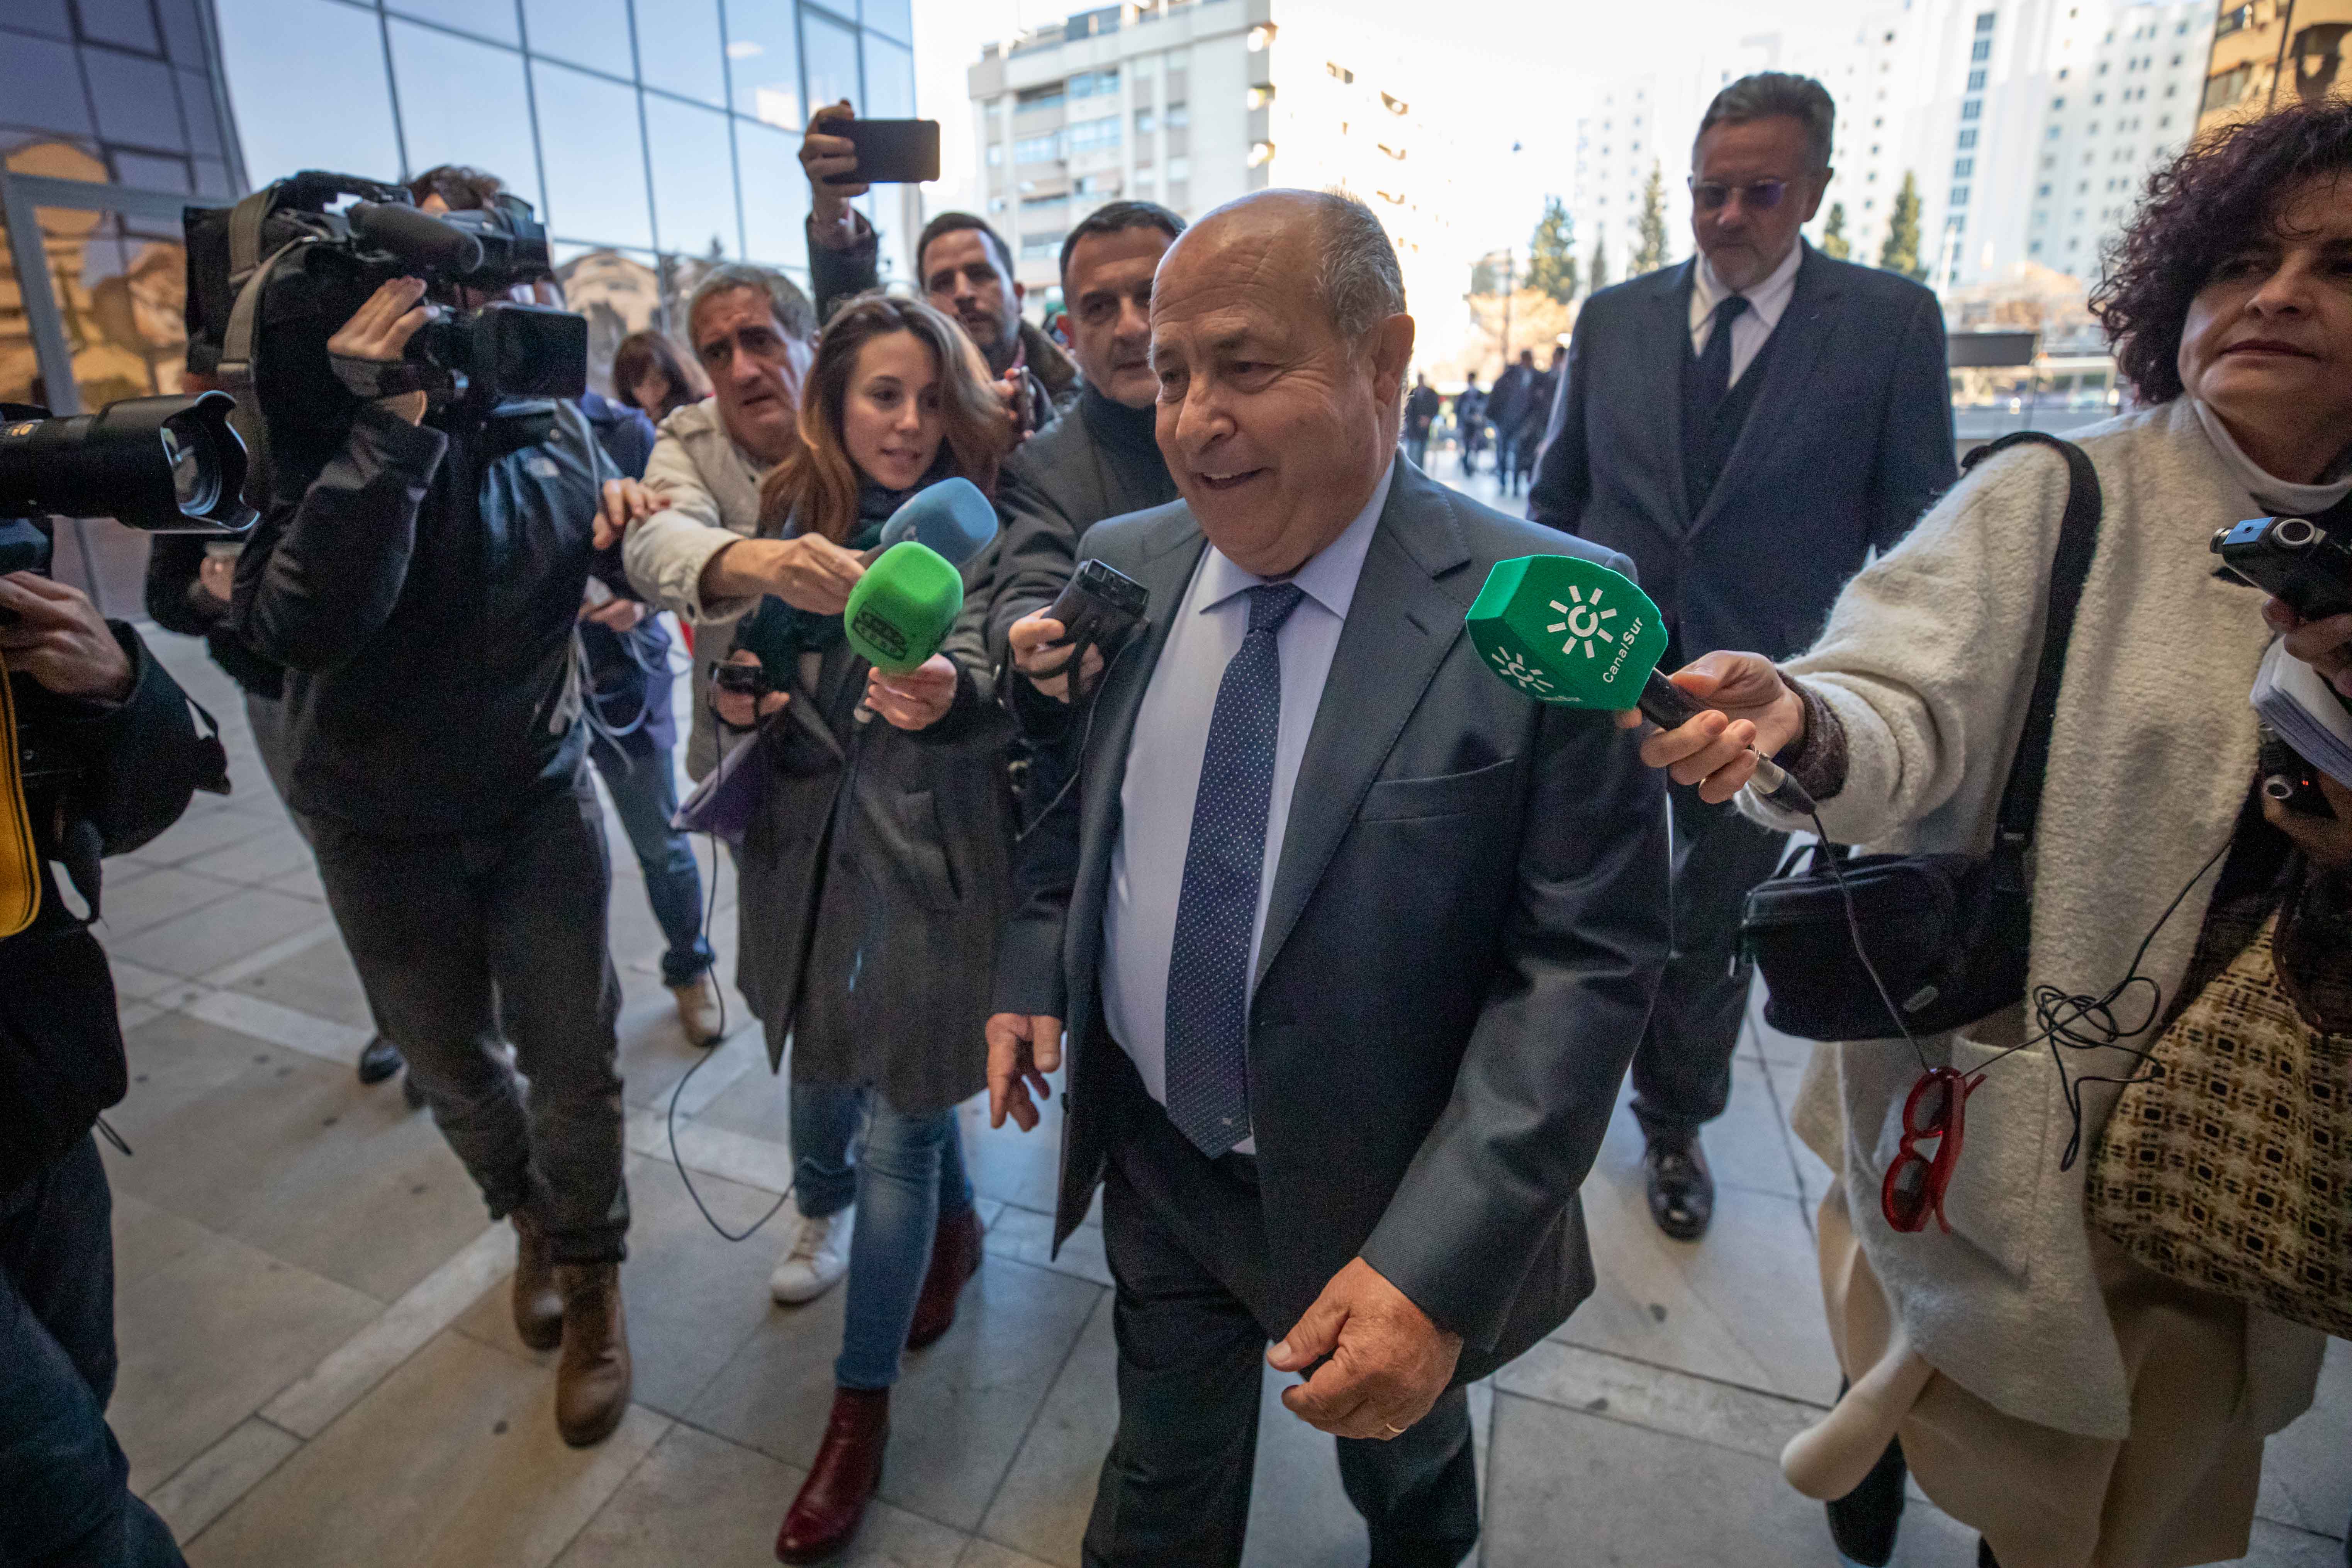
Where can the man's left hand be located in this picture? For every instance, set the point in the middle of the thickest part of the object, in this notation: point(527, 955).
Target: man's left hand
point(616, 615)
point(1388, 1361)
point(54, 634)
point(624, 502)
point(2326, 645)
point(917, 699)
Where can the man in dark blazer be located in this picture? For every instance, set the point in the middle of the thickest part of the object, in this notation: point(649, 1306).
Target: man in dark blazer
point(1352, 941)
point(1746, 427)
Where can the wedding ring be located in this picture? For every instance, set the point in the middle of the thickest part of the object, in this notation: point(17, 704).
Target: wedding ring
point(1393, 1431)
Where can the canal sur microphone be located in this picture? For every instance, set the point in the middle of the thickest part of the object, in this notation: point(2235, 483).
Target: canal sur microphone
point(1567, 630)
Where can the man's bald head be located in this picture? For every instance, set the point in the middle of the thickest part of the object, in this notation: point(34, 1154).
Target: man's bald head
point(1279, 339)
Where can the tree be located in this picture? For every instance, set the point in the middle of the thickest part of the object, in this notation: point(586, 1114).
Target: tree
point(1901, 251)
point(1485, 278)
point(1651, 253)
point(1596, 276)
point(1551, 253)
point(1834, 244)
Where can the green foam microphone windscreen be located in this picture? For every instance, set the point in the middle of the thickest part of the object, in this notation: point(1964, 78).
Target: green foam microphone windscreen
point(1567, 630)
point(901, 610)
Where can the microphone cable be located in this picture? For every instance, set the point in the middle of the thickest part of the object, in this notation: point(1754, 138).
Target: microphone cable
point(1086, 738)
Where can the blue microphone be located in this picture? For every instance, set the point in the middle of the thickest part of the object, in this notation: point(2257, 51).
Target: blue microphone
point(952, 517)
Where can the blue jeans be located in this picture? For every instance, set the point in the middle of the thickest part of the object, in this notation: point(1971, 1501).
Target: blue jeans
point(905, 1168)
point(65, 1501)
point(644, 793)
point(826, 1118)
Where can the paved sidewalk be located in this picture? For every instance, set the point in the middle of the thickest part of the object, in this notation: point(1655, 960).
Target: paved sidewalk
point(318, 1367)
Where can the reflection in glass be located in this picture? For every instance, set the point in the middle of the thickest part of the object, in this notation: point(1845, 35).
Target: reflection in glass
point(461, 102)
point(42, 88)
point(134, 99)
point(591, 33)
point(832, 61)
point(491, 18)
point(775, 197)
point(333, 113)
point(764, 62)
point(890, 81)
point(679, 49)
point(619, 293)
point(893, 16)
point(596, 160)
point(694, 178)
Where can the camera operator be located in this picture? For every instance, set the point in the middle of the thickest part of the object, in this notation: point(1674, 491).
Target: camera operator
point(92, 700)
point(422, 594)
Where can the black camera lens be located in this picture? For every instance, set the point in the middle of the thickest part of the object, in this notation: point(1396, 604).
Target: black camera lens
point(166, 465)
point(2293, 532)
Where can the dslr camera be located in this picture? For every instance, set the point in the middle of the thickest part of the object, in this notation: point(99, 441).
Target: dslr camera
point(2303, 562)
point(272, 279)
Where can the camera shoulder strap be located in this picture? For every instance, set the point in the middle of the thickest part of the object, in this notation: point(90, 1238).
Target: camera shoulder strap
point(236, 371)
point(2078, 540)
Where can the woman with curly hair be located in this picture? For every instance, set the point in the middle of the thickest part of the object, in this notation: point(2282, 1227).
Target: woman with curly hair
point(2078, 1409)
point(877, 870)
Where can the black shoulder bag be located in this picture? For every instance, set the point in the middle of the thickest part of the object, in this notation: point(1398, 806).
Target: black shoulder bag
point(1947, 933)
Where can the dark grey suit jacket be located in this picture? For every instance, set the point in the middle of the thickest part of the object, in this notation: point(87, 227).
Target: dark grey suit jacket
point(1462, 938)
point(1850, 440)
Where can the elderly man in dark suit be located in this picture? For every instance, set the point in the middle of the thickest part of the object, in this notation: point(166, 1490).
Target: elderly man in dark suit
point(1746, 427)
point(1352, 941)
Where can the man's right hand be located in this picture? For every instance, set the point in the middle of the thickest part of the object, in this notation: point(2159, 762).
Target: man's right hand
point(832, 223)
point(625, 501)
point(1022, 1048)
point(1039, 654)
point(379, 330)
point(735, 707)
point(808, 571)
point(1751, 711)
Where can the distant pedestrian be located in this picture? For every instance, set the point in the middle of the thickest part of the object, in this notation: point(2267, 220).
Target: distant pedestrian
point(1421, 407)
point(1507, 410)
point(650, 376)
point(1470, 422)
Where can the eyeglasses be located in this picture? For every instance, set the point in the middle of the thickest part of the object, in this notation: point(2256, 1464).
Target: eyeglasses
point(1914, 1188)
point(1762, 195)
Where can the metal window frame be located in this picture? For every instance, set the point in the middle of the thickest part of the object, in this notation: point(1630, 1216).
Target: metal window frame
point(21, 197)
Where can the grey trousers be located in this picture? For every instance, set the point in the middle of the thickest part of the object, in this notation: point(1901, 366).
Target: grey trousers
point(1682, 1070)
point(454, 935)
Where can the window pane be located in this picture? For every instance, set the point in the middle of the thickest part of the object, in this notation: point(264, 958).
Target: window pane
point(39, 86)
point(596, 160)
point(491, 18)
point(832, 61)
point(893, 16)
point(591, 33)
point(134, 99)
point(463, 102)
point(848, 8)
point(679, 49)
point(334, 113)
point(146, 172)
point(764, 62)
point(694, 178)
point(125, 21)
point(183, 34)
point(40, 16)
point(775, 197)
point(204, 121)
point(890, 81)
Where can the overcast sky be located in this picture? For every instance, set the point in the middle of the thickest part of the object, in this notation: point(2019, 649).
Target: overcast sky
point(1523, 69)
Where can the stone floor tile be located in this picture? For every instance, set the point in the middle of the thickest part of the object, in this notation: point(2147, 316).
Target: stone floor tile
point(702, 1500)
point(1573, 1488)
point(296, 1031)
point(308, 1405)
point(175, 1061)
point(137, 982)
point(1049, 1489)
point(451, 1462)
point(201, 832)
point(208, 1484)
point(220, 932)
point(1742, 1306)
point(757, 1102)
point(693, 1297)
point(295, 1156)
point(1654, 1398)
point(315, 934)
point(265, 855)
point(2278, 1546)
point(655, 1054)
point(987, 1554)
point(147, 898)
point(318, 979)
point(1299, 1514)
point(961, 1409)
point(1028, 1235)
point(303, 882)
point(703, 1148)
point(1747, 1146)
point(2307, 1469)
point(1012, 1166)
point(207, 1330)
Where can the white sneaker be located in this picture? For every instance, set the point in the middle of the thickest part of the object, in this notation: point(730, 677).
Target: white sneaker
point(699, 1009)
point(816, 1262)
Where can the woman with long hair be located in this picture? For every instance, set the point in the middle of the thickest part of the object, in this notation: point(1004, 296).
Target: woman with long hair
point(2062, 1395)
point(878, 870)
point(651, 375)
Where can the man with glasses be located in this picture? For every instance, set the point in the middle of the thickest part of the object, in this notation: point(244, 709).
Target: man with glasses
point(1746, 427)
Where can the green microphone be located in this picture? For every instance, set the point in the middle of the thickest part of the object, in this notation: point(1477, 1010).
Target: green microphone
point(902, 609)
point(1571, 631)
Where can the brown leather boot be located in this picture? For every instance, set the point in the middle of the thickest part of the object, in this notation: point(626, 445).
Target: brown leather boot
point(832, 1502)
point(537, 1304)
point(592, 1379)
point(955, 1258)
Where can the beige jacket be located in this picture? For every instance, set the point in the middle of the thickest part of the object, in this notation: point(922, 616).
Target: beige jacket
point(1928, 660)
point(713, 488)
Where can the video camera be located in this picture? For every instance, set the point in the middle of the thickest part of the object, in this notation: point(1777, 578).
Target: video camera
point(272, 279)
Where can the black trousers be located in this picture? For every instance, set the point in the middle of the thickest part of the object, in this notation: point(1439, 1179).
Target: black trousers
point(1186, 1237)
point(457, 935)
point(1682, 1070)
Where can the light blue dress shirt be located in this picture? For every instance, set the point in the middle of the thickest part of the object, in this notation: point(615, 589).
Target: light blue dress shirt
point(1163, 770)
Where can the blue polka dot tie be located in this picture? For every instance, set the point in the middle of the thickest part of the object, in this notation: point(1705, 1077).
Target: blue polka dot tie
point(1208, 971)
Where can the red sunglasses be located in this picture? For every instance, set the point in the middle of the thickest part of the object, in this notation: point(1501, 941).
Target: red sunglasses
point(1914, 1188)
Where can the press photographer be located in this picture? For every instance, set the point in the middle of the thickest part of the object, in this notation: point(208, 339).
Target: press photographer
point(419, 578)
point(99, 753)
point(2112, 1337)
